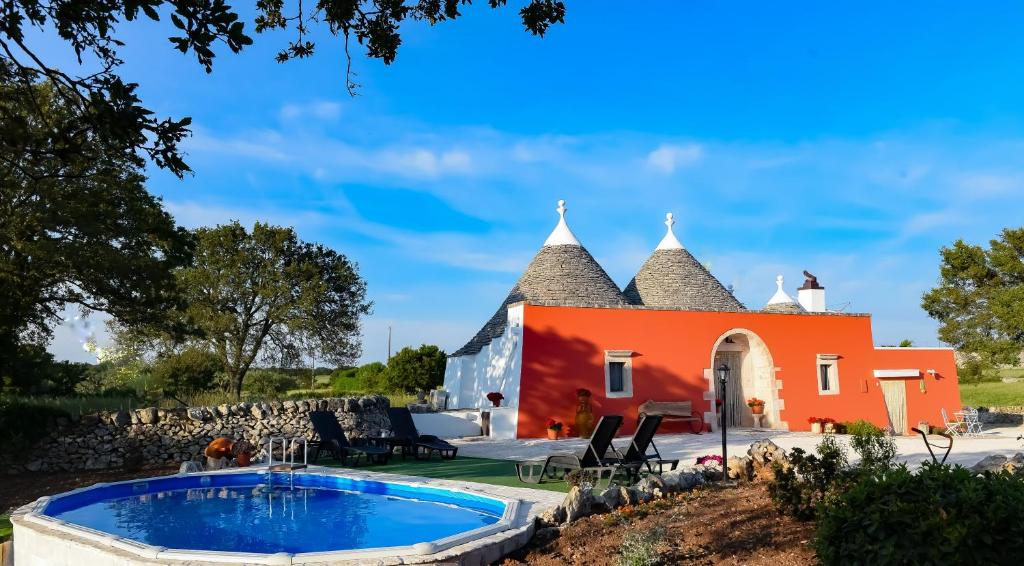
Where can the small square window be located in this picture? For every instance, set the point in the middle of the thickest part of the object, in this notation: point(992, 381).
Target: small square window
point(828, 374)
point(616, 377)
point(618, 373)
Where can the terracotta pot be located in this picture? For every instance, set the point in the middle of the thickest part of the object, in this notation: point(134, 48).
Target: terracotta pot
point(757, 410)
point(552, 434)
point(816, 428)
point(244, 459)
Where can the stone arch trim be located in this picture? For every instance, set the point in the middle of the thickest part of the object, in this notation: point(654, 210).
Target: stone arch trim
point(758, 347)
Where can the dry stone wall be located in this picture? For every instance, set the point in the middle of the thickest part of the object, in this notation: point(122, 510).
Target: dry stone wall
point(154, 436)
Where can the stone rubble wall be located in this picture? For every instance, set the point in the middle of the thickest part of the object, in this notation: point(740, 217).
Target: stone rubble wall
point(1001, 415)
point(154, 437)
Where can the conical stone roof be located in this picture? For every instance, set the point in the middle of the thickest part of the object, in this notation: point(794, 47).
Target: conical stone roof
point(781, 301)
point(562, 273)
point(673, 278)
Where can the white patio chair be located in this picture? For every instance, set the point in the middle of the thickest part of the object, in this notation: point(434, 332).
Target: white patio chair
point(970, 419)
point(954, 427)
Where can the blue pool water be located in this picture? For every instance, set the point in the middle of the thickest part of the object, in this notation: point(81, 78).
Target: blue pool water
point(239, 513)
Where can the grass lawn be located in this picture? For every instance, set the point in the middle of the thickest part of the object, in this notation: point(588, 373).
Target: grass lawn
point(992, 394)
point(480, 470)
point(5, 528)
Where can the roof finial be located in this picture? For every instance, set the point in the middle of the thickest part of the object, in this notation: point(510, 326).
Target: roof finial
point(780, 295)
point(561, 235)
point(670, 242)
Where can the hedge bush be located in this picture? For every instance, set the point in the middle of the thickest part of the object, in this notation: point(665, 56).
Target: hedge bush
point(23, 425)
point(938, 515)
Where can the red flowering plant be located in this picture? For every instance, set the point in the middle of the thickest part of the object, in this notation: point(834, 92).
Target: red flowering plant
point(755, 402)
point(709, 459)
point(495, 397)
point(555, 425)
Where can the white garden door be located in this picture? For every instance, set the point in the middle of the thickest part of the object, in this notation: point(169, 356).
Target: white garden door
point(895, 393)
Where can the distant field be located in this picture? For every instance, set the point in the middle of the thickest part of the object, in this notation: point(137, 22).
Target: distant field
point(993, 394)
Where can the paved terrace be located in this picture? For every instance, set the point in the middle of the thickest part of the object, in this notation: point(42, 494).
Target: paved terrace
point(687, 447)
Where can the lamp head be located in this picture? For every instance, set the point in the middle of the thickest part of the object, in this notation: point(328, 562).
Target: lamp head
point(723, 373)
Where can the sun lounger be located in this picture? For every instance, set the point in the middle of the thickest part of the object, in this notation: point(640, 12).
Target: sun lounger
point(637, 455)
point(405, 435)
point(331, 437)
point(592, 458)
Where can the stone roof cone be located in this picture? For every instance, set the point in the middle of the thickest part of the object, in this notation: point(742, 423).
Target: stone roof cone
point(673, 278)
point(781, 301)
point(562, 273)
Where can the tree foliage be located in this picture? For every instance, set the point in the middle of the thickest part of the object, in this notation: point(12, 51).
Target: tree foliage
point(191, 370)
point(412, 370)
point(105, 107)
point(76, 223)
point(979, 301)
point(262, 293)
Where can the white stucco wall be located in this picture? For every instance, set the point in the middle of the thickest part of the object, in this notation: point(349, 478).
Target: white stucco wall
point(449, 424)
point(496, 367)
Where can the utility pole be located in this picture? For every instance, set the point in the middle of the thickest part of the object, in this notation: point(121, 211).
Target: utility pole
point(389, 345)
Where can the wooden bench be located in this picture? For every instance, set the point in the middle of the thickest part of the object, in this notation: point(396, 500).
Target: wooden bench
point(673, 411)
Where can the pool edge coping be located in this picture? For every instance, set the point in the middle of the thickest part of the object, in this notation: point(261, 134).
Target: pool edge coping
point(475, 540)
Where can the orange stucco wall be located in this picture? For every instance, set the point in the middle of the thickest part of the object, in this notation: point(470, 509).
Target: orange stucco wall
point(564, 349)
point(941, 390)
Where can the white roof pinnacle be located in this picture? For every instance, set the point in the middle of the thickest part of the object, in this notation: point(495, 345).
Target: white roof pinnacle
point(670, 242)
point(780, 296)
point(561, 235)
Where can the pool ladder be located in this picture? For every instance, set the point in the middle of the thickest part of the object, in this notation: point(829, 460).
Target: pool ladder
point(288, 462)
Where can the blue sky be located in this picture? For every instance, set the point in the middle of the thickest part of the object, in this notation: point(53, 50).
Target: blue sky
point(850, 139)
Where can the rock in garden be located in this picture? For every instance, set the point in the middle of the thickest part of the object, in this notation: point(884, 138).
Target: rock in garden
point(652, 485)
point(993, 463)
point(741, 468)
point(615, 497)
point(764, 454)
point(578, 503)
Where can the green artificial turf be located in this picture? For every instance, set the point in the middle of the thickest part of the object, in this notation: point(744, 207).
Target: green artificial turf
point(5, 528)
point(480, 470)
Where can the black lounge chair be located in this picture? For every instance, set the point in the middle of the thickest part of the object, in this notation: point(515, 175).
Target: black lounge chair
point(592, 458)
point(411, 441)
point(637, 455)
point(329, 436)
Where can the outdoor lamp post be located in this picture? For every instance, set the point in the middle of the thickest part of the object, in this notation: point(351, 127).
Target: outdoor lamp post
point(723, 379)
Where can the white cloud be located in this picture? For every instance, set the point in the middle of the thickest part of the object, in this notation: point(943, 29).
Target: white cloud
point(320, 110)
point(669, 157)
point(989, 184)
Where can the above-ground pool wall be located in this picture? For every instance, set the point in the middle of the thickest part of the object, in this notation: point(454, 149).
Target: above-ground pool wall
point(671, 353)
point(930, 380)
point(496, 367)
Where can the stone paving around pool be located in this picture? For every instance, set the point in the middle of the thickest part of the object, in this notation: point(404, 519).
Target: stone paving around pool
point(687, 447)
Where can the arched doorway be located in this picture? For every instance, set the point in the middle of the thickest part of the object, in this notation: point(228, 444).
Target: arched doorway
point(752, 374)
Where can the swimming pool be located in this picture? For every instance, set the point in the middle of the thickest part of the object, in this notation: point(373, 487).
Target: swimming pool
point(274, 518)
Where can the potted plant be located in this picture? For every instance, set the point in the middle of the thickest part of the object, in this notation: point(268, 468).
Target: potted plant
point(756, 405)
point(815, 424)
point(495, 398)
point(554, 429)
point(829, 425)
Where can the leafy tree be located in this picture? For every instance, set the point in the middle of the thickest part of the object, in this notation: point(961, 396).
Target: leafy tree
point(265, 293)
point(411, 370)
point(107, 108)
point(192, 369)
point(979, 301)
point(906, 343)
point(270, 382)
point(76, 224)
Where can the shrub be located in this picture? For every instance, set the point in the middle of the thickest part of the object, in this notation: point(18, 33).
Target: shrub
point(798, 489)
point(190, 370)
point(23, 425)
point(411, 370)
point(939, 515)
point(268, 382)
point(863, 427)
point(876, 451)
point(639, 548)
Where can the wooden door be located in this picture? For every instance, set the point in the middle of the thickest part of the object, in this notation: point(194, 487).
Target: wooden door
point(895, 393)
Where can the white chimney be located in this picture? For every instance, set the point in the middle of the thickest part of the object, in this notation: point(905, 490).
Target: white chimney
point(811, 295)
